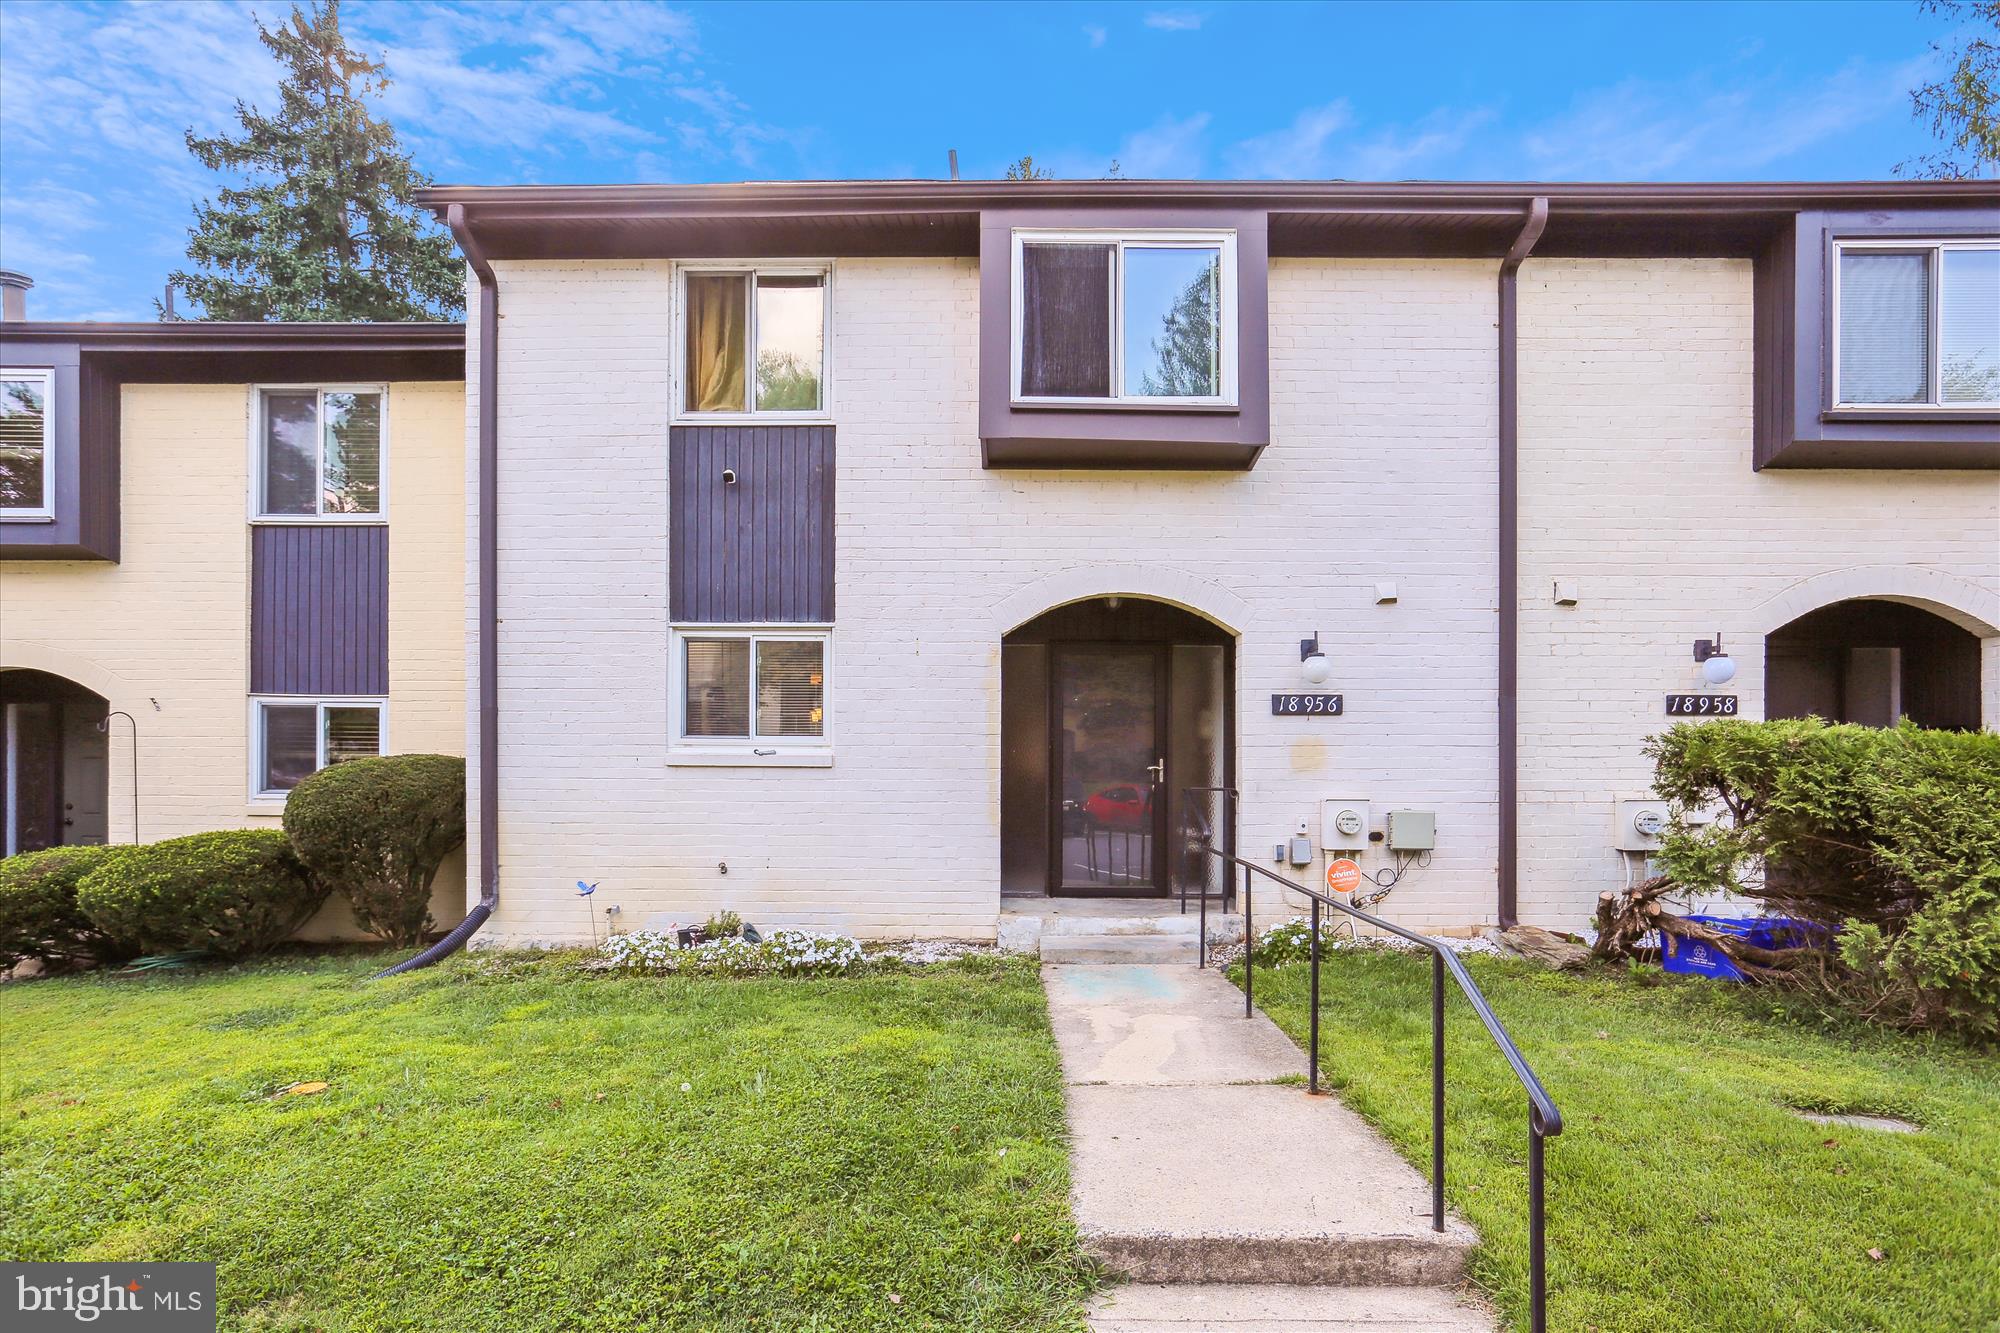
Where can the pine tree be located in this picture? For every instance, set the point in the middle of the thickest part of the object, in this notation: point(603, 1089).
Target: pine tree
point(324, 224)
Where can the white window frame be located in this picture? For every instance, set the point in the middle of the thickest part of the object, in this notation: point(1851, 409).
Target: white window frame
point(752, 269)
point(748, 751)
point(1121, 239)
point(256, 498)
point(45, 512)
point(1933, 249)
point(262, 795)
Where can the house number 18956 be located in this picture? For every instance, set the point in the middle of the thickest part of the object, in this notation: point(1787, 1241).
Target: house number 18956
point(1306, 705)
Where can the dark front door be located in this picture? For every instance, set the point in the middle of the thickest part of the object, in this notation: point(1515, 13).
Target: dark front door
point(1108, 755)
point(53, 763)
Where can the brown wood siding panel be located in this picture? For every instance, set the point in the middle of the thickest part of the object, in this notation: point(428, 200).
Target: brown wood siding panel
point(759, 550)
point(319, 609)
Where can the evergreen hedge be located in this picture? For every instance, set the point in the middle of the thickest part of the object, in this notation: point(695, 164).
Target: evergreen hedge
point(39, 916)
point(377, 830)
point(232, 893)
point(1891, 835)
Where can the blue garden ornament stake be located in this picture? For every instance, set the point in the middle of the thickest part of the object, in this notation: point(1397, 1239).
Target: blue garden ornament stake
point(584, 891)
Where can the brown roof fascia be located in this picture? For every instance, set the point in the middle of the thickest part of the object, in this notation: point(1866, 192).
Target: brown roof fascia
point(818, 198)
point(1306, 217)
point(213, 337)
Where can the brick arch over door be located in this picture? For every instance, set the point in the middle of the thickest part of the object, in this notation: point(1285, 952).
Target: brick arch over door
point(1970, 606)
point(1203, 597)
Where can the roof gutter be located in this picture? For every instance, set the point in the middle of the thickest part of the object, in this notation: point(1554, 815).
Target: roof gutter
point(1510, 562)
point(489, 617)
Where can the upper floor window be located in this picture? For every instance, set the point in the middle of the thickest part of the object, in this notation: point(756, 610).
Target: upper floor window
point(1127, 317)
point(1917, 324)
point(320, 453)
point(753, 340)
point(27, 443)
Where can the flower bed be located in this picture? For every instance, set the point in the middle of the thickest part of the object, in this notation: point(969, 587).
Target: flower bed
point(787, 953)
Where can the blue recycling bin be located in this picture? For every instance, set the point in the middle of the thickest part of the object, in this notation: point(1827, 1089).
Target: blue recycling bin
point(1698, 958)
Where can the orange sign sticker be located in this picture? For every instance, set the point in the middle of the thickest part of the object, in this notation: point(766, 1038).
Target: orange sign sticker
point(1343, 876)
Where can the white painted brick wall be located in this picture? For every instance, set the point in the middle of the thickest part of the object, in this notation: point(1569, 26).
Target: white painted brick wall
point(1636, 483)
point(1382, 468)
point(1375, 473)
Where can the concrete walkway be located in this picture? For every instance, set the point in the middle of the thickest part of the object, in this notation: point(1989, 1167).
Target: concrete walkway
point(1231, 1201)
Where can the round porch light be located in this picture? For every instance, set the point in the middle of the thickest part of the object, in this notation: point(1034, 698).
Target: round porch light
point(1316, 669)
point(1718, 670)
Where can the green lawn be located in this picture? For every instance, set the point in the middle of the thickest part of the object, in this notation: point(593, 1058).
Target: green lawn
point(513, 1145)
point(1683, 1194)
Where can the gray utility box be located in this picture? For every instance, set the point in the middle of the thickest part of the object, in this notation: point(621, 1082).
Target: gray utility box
point(1411, 830)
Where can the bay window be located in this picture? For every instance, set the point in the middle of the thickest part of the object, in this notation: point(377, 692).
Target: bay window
point(1917, 324)
point(1144, 318)
point(27, 444)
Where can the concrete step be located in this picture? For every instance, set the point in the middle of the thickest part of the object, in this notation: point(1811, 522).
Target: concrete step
point(1190, 1164)
point(1170, 924)
point(1250, 1183)
point(1082, 948)
point(1239, 1308)
point(1025, 924)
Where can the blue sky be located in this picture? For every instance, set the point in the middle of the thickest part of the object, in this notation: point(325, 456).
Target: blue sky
point(96, 185)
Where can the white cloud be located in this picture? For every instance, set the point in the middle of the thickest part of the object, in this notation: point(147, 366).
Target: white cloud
point(94, 123)
point(1175, 20)
point(1316, 145)
point(1295, 151)
point(1647, 130)
point(1169, 149)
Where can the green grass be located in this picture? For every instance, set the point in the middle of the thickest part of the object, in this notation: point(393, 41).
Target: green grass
point(1683, 1194)
point(508, 1144)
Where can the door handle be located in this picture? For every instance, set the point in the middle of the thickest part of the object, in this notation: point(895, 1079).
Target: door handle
point(1158, 770)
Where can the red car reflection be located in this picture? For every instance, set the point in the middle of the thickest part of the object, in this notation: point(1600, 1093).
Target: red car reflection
point(1123, 806)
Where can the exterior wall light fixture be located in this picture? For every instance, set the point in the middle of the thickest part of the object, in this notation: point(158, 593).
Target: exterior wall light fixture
point(1313, 664)
point(1717, 668)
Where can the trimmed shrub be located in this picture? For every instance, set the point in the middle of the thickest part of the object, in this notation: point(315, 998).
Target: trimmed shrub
point(377, 830)
point(232, 893)
point(1891, 835)
point(39, 917)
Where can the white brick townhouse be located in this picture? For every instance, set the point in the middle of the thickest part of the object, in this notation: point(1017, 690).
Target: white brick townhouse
point(869, 555)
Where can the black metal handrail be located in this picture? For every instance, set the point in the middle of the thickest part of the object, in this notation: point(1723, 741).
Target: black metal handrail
point(1544, 1120)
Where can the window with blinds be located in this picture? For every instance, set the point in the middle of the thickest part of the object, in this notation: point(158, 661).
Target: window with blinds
point(767, 688)
point(27, 435)
point(1918, 324)
point(320, 452)
point(293, 738)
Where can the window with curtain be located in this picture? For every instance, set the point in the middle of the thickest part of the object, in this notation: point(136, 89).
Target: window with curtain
point(27, 436)
point(753, 341)
point(767, 687)
point(1919, 324)
point(295, 738)
point(320, 453)
point(1138, 317)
